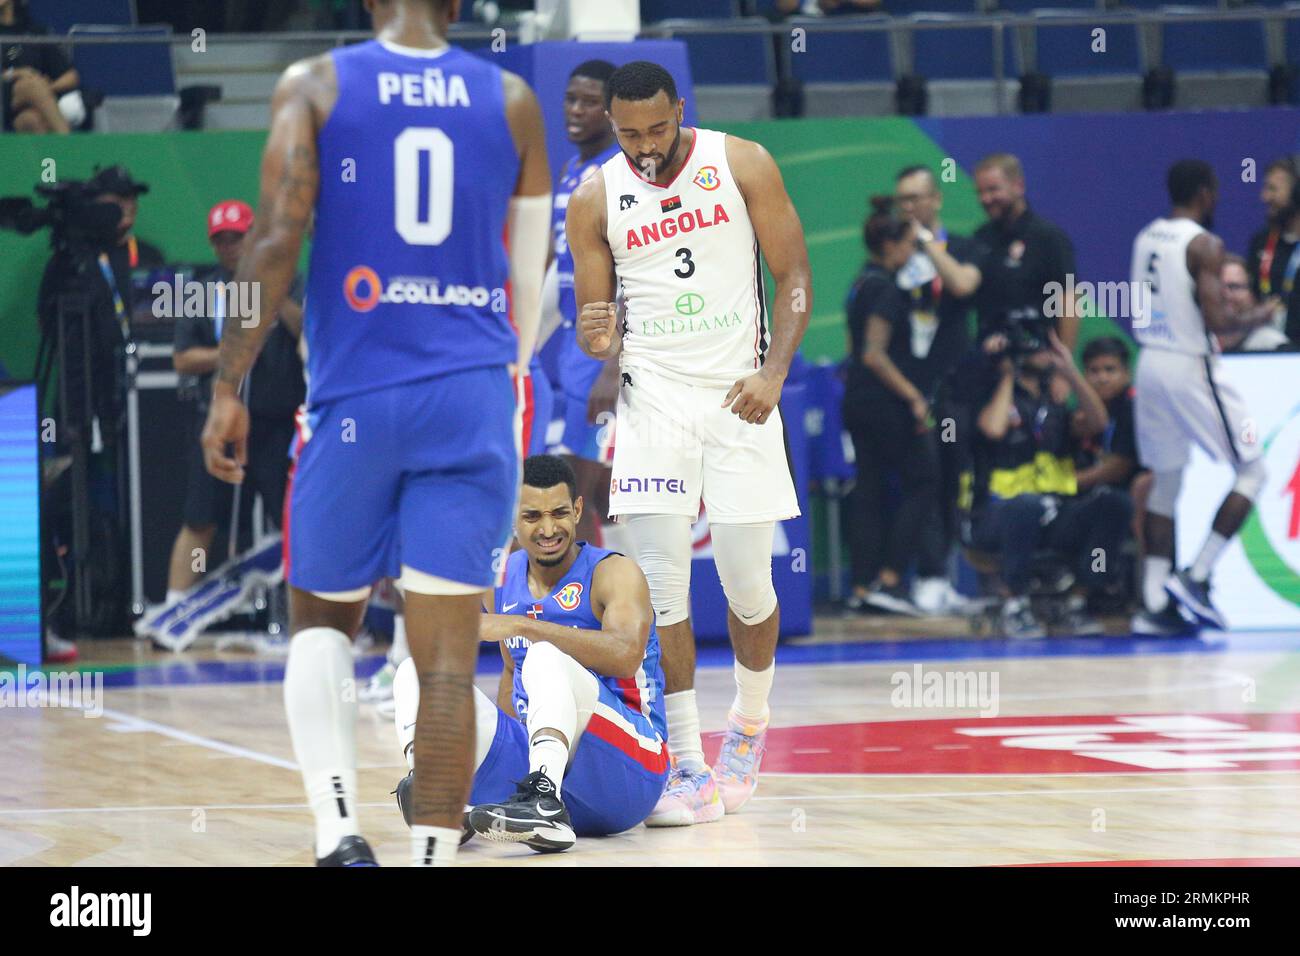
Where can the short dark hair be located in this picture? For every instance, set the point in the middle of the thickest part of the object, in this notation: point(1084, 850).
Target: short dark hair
point(917, 168)
point(1106, 345)
point(1187, 177)
point(1286, 164)
point(883, 225)
point(639, 80)
point(547, 471)
point(598, 70)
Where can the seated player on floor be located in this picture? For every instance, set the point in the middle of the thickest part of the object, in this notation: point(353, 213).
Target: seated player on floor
point(578, 729)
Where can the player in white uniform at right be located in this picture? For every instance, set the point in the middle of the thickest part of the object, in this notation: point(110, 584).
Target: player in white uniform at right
point(1181, 396)
point(679, 218)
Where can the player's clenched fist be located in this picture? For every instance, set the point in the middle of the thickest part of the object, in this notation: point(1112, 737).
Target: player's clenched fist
point(596, 326)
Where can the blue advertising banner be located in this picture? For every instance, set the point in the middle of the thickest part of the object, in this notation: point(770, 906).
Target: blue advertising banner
point(20, 547)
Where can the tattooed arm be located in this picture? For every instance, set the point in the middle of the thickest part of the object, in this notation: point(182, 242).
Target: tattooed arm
point(290, 180)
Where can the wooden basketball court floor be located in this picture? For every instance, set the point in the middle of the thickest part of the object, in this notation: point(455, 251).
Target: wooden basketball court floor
point(915, 751)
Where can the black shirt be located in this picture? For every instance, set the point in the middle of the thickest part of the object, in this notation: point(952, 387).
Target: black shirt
point(875, 291)
point(276, 386)
point(1119, 438)
point(1016, 263)
point(1274, 250)
point(45, 58)
point(951, 336)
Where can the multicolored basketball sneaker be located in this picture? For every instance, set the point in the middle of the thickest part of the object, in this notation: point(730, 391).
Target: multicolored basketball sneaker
point(690, 797)
point(737, 768)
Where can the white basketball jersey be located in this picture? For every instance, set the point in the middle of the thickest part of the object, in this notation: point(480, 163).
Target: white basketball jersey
point(1165, 314)
point(688, 262)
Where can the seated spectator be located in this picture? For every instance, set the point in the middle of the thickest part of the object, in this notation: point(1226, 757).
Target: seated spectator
point(1240, 297)
point(1108, 459)
point(1025, 489)
point(36, 77)
point(887, 411)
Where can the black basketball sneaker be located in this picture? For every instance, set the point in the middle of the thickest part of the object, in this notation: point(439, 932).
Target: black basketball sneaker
point(403, 792)
point(351, 851)
point(534, 815)
point(1195, 596)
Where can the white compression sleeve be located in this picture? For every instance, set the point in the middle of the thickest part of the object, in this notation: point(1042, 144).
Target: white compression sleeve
point(551, 316)
point(529, 228)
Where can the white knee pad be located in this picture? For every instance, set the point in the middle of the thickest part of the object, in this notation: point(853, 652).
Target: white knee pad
point(1250, 479)
point(1165, 486)
point(743, 554)
point(663, 549)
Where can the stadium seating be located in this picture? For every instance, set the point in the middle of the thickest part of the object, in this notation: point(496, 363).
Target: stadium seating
point(1217, 64)
point(1073, 7)
point(138, 80)
point(59, 16)
point(845, 73)
point(958, 65)
point(733, 71)
point(1084, 80)
point(656, 11)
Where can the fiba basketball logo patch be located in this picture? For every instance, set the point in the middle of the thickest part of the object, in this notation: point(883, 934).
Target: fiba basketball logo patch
point(569, 596)
point(707, 178)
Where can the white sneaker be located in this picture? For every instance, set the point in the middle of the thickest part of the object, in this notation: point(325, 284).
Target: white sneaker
point(930, 595)
point(58, 650)
point(937, 596)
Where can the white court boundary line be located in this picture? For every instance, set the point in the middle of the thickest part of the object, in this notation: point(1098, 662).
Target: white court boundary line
point(129, 723)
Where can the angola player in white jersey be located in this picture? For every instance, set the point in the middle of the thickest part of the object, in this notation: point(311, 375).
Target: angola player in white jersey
point(678, 218)
point(1182, 397)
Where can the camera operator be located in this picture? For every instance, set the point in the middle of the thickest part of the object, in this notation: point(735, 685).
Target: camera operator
point(1273, 259)
point(275, 389)
point(1025, 487)
point(129, 253)
point(1018, 254)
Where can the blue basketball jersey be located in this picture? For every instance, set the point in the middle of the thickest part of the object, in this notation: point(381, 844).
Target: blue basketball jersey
point(576, 370)
point(569, 604)
point(571, 176)
point(408, 263)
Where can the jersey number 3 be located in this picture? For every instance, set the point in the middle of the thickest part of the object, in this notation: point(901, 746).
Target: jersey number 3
point(422, 182)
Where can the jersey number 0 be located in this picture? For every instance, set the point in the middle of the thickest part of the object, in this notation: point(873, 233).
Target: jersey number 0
point(422, 182)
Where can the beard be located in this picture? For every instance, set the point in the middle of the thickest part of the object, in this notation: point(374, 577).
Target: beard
point(668, 159)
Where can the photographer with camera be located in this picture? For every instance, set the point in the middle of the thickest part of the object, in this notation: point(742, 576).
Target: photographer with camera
point(1025, 491)
point(1018, 254)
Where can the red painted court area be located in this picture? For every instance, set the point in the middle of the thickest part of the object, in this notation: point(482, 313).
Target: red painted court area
point(1102, 743)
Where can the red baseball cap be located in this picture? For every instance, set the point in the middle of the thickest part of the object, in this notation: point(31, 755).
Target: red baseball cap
point(230, 215)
